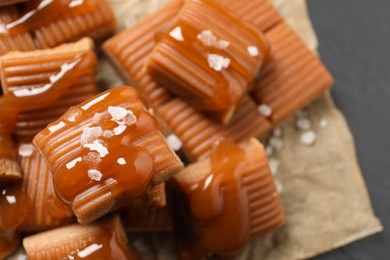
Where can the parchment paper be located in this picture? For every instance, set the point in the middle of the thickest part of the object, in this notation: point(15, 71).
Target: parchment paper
point(324, 194)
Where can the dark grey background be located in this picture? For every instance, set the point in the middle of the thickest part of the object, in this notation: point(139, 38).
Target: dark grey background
point(354, 38)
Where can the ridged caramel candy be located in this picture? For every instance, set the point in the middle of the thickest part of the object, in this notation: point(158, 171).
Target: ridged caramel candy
point(232, 196)
point(46, 210)
point(294, 76)
point(129, 51)
point(208, 56)
point(106, 151)
point(104, 239)
point(38, 87)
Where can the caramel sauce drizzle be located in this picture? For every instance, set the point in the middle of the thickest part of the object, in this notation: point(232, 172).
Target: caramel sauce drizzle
point(35, 98)
point(38, 13)
point(219, 201)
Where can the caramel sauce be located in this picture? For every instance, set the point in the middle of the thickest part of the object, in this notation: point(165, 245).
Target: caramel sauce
point(226, 86)
point(38, 13)
point(35, 98)
point(219, 201)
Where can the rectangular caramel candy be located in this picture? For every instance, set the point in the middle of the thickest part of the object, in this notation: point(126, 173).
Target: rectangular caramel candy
point(293, 77)
point(128, 51)
point(106, 151)
point(46, 210)
point(104, 239)
point(231, 196)
point(208, 56)
point(21, 41)
point(25, 74)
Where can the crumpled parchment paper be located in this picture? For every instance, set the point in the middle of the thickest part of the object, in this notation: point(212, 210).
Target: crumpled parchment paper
point(324, 194)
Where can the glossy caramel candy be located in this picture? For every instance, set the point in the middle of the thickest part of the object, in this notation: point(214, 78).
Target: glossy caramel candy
point(104, 239)
point(294, 76)
point(232, 196)
point(129, 51)
point(46, 209)
point(106, 151)
point(208, 57)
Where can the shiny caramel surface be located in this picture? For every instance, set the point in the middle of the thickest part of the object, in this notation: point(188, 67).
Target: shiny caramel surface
point(208, 57)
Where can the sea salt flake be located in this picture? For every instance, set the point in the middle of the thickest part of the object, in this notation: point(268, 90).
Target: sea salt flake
point(177, 34)
point(117, 113)
point(97, 117)
point(95, 175)
point(56, 127)
point(89, 250)
point(98, 147)
point(274, 166)
point(279, 186)
point(277, 132)
point(130, 118)
point(269, 150)
point(265, 110)
point(222, 44)
point(26, 150)
point(108, 134)
point(303, 123)
point(276, 143)
point(121, 161)
point(218, 62)
point(207, 38)
point(120, 129)
point(72, 163)
point(324, 123)
point(11, 199)
point(90, 134)
point(92, 159)
point(308, 138)
point(174, 142)
point(253, 51)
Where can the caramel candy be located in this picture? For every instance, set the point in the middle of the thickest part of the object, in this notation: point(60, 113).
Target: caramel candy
point(22, 41)
point(14, 208)
point(11, 2)
point(209, 56)
point(46, 210)
point(293, 77)
point(129, 51)
point(29, 73)
point(104, 152)
point(104, 239)
point(232, 196)
point(150, 213)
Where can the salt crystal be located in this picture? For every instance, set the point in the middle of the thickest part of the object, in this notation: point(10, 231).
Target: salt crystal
point(98, 147)
point(108, 133)
point(303, 123)
point(265, 110)
point(308, 138)
point(72, 163)
point(119, 129)
point(324, 123)
point(95, 175)
point(26, 150)
point(207, 38)
point(90, 134)
point(276, 143)
point(121, 161)
point(177, 34)
point(130, 118)
point(56, 127)
point(269, 150)
point(11, 199)
point(97, 117)
point(174, 142)
point(222, 44)
point(218, 62)
point(277, 132)
point(274, 166)
point(253, 51)
point(117, 113)
point(89, 250)
point(92, 159)
point(279, 186)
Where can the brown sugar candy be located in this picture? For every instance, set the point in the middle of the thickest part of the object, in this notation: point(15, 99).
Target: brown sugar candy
point(232, 196)
point(129, 51)
point(22, 41)
point(46, 210)
point(208, 57)
point(105, 151)
point(35, 81)
point(104, 239)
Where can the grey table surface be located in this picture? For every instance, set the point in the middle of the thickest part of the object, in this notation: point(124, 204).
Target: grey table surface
point(354, 37)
